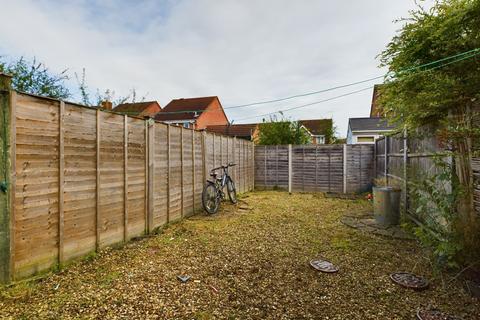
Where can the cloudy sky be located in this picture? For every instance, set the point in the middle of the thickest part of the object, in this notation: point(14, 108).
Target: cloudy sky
point(241, 50)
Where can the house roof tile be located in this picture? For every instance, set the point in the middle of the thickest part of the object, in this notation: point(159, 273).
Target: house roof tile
point(237, 130)
point(371, 124)
point(184, 109)
point(317, 126)
point(134, 108)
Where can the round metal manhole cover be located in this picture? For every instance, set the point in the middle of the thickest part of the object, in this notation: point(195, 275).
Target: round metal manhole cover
point(434, 315)
point(409, 280)
point(323, 266)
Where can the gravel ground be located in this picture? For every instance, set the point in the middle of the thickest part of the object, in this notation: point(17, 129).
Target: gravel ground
point(249, 261)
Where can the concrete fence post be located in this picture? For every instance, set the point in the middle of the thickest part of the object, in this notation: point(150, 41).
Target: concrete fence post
point(7, 179)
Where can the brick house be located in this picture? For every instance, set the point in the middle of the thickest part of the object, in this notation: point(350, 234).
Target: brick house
point(376, 111)
point(196, 113)
point(367, 130)
point(244, 131)
point(319, 130)
point(139, 109)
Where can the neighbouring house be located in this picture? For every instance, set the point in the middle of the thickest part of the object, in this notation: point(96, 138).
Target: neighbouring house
point(366, 130)
point(139, 109)
point(196, 113)
point(376, 111)
point(320, 130)
point(244, 131)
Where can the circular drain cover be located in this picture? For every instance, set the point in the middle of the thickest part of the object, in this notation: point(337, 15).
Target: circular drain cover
point(323, 265)
point(434, 315)
point(409, 280)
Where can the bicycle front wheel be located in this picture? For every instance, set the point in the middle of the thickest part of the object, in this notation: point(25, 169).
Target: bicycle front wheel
point(232, 192)
point(210, 199)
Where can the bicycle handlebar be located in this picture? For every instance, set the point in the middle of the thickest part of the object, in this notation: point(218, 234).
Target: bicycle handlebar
point(224, 167)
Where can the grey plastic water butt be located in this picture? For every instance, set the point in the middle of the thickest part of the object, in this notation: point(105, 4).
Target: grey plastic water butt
point(386, 205)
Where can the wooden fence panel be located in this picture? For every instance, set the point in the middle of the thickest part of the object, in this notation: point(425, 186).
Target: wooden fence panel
point(136, 177)
point(199, 167)
point(112, 188)
point(315, 168)
point(175, 210)
point(85, 179)
point(80, 163)
point(360, 159)
point(36, 199)
point(160, 184)
point(476, 161)
point(187, 173)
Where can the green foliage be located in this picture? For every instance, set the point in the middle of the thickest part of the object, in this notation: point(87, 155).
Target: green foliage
point(420, 92)
point(331, 135)
point(427, 95)
point(281, 132)
point(434, 198)
point(34, 77)
point(105, 95)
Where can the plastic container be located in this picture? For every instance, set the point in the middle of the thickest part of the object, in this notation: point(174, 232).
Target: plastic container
point(386, 205)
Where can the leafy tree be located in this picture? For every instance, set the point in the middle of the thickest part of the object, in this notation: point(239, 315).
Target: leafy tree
point(427, 95)
point(35, 78)
point(281, 131)
point(440, 94)
point(106, 95)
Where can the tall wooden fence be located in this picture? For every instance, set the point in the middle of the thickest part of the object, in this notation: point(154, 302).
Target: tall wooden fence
point(401, 159)
point(76, 179)
point(315, 168)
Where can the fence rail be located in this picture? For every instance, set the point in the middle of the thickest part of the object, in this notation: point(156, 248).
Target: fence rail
point(81, 179)
point(315, 168)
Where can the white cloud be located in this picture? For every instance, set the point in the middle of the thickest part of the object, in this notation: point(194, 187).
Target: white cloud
point(242, 51)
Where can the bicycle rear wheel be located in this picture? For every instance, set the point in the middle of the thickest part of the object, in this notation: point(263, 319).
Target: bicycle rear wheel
point(232, 192)
point(210, 199)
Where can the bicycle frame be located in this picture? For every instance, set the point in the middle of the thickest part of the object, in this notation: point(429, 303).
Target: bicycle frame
point(223, 179)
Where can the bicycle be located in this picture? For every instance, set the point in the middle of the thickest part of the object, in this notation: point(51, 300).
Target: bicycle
point(213, 193)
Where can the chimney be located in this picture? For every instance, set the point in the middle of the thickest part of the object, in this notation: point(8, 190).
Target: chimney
point(107, 105)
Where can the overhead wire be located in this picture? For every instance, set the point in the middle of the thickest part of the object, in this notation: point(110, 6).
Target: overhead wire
point(458, 57)
point(462, 57)
point(476, 51)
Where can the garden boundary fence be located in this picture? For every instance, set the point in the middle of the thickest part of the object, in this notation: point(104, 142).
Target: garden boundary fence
point(75, 179)
point(315, 168)
point(401, 160)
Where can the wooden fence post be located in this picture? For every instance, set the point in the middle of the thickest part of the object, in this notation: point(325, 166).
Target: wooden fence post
point(193, 170)
point(276, 165)
point(290, 168)
point(181, 174)
point(213, 150)
point(405, 171)
point(303, 168)
point(375, 158)
point(151, 174)
point(345, 171)
point(316, 168)
point(145, 186)
point(125, 175)
point(168, 173)
point(386, 160)
point(204, 155)
point(233, 152)
point(239, 163)
point(97, 188)
point(252, 167)
point(265, 166)
point(61, 180)
point(7, 159)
